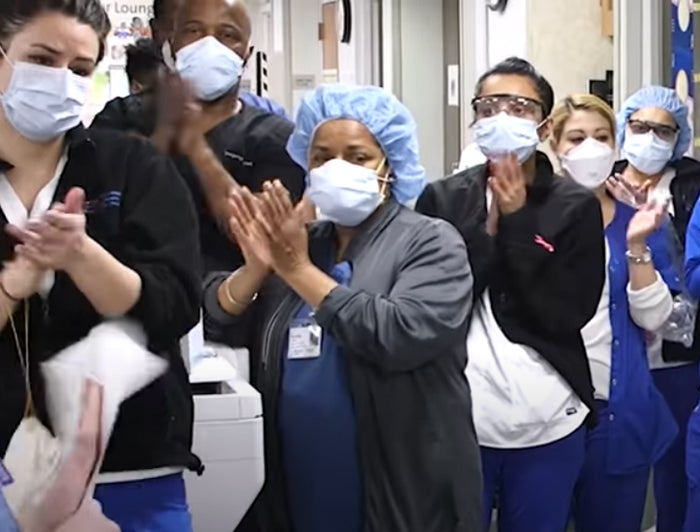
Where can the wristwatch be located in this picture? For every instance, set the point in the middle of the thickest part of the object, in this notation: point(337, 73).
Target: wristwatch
point(644, 258)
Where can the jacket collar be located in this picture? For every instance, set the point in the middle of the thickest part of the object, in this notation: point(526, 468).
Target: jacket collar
point(322, 235)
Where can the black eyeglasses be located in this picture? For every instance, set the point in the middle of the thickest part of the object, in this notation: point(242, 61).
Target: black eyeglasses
point(663, 131)
point(520, 106)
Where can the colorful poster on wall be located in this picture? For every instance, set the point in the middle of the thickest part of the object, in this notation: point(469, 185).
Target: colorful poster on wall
point(682, 54)
point(130, 22)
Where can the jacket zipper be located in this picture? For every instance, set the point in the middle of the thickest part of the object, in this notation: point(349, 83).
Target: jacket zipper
point(264, 347)
point(270, 387)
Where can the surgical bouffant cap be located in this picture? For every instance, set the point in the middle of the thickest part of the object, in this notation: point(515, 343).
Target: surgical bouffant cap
point(662, 98)
point(379, 111)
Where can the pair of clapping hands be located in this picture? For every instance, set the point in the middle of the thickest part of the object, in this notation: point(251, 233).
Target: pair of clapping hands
point(52, 242)
point(509, 187)
point(269, 229)
point(65, 508)
point(181, 126)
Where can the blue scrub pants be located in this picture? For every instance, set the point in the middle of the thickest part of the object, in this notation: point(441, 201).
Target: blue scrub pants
point(605, 502)
point(152, 505)
point(535, 485)
point(692, 521)
point(679, 386)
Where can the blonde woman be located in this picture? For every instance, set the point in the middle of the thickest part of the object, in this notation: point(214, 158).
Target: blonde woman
point(635, 427)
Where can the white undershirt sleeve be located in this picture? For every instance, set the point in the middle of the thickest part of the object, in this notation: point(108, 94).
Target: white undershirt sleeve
point(651, 306)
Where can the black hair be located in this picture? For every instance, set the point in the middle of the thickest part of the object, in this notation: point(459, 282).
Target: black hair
point(159, 8)
point(143, 60)
point(521, 67)
point(15, 14)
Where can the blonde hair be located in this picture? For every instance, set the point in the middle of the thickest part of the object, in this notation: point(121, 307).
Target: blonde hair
point(578, 102)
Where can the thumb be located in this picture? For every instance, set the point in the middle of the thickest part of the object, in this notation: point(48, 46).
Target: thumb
point(302, 205)
point(75, 201)
point(305, 210)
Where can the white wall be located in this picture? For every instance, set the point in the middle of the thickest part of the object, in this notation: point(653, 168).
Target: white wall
point(508, 32)
point(638, 45)
point(306, 50)
point(565, 43)
point(288, 31)
point(421, 80)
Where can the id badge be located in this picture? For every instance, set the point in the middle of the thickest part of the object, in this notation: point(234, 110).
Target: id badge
point(5, 476)
point(304, 340)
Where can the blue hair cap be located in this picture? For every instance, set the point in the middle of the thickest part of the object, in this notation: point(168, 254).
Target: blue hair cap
point(663, 98)
point(389, 121)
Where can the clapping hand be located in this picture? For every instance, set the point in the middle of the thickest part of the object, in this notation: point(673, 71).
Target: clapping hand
point(54, 242)
point(21, 278)
point(624, 191)
point(508, 185)
point(285, 227)
point(247, 228)
point(647, 219)
point(172, 100)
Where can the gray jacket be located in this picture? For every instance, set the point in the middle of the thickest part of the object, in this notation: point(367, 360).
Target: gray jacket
point(402, 324)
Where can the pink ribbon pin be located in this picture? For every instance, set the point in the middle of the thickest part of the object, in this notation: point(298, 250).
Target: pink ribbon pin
point(542, 242)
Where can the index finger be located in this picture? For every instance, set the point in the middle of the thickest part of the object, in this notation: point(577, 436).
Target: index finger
point(282, 195)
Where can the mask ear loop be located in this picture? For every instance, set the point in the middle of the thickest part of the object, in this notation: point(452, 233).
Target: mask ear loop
point(29, 409)
point(385, 180)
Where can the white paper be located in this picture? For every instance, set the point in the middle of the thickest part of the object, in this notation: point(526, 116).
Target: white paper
point(114, 354)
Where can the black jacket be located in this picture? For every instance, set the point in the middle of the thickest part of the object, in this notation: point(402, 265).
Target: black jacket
point(140, 211)
point(131, 114)
point(402, 324)
point(685, 189)
point(540, 297)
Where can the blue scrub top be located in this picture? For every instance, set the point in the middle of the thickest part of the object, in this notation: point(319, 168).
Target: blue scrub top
point(7, 522)
point(641, 426)
point(266, 104)
point(317, 427)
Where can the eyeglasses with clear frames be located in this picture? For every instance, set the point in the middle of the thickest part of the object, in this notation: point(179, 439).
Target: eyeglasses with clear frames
point(662, 131)
point(520, 106)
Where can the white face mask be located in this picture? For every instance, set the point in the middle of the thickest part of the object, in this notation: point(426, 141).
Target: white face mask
point(344, 193)
point(590, 163)
point(503, 134)
point(647, 152)
point(211, 68)
point(44, 102)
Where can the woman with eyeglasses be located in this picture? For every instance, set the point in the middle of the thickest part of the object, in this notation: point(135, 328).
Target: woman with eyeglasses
point(654, 135)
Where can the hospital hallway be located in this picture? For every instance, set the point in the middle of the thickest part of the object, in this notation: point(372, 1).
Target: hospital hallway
point(349, 265)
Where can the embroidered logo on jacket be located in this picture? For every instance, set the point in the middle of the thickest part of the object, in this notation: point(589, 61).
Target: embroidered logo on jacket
point(111, 199)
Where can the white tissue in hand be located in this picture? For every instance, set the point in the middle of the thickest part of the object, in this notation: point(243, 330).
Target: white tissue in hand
point(113, 354)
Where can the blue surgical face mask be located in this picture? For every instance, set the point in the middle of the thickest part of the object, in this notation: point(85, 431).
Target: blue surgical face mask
point(647, 152)
point(211, 68)
point(503, 134)
point(344, 193)
point(42, 103)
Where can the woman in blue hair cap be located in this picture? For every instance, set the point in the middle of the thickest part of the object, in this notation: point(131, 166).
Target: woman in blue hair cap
point(357, 331)
point(654, 135)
